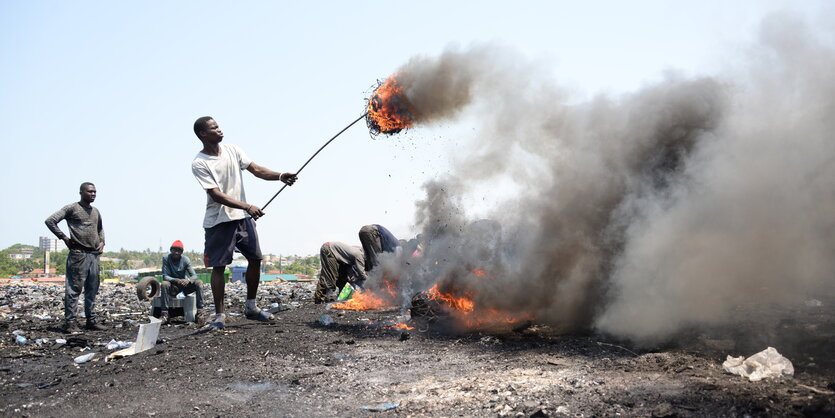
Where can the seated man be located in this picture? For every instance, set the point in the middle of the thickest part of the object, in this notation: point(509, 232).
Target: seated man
point(341, 263)
point(376, 239)
point(179, 276)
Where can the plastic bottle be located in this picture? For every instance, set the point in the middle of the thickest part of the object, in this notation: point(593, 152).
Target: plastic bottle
point(346, 292)
point(84, 358)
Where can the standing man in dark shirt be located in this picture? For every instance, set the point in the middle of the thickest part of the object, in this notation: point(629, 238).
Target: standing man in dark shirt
point(86, 242)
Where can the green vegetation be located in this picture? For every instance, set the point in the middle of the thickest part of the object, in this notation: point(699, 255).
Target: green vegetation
point(123, 260)
point(303, 265)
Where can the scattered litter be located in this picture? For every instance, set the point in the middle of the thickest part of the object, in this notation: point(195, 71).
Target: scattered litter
point(50, 384)
point(113, 344)
point(146, 339)
point(346, 292)
point(60, 341)
point(326, 319)
point(765, 364)
point(17, 332)
point(84, 358)
point(20, 339)
point(381, 407)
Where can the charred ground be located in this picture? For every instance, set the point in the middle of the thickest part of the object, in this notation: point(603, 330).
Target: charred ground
point(296, 366)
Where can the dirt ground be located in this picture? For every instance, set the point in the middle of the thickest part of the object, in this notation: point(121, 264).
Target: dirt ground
point(360, 366)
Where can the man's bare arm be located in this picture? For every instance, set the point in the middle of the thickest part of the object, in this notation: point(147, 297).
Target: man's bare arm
point(226, 200)
point(267, 174)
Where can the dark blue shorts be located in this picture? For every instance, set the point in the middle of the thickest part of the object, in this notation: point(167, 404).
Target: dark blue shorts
point(222, 240)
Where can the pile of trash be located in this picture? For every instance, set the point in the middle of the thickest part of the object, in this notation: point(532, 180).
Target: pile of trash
point(39, 304)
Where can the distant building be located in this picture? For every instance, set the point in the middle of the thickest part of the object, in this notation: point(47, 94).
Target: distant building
point(50, 244)
point(22, 253)
point(39, 272)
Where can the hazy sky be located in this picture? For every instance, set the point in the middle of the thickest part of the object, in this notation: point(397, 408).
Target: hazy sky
point(107, 92)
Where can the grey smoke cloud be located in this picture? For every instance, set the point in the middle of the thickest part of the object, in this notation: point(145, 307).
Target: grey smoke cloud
point(643, 215)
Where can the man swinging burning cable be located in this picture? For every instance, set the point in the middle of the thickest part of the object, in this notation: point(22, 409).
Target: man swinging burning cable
point(228, 221)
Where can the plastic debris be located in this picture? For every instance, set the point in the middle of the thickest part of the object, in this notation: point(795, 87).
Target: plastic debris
point(146, 339)
point(84, 358)
point(326, 319)
point(763, 365)
point(60, 341)
point(346, 293)
point(20, 339)
point(381, 407)
point(113, 344)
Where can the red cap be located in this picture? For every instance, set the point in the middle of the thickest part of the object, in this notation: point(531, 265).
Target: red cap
point(178, 244)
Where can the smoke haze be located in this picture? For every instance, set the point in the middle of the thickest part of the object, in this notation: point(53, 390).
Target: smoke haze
point(643, 215)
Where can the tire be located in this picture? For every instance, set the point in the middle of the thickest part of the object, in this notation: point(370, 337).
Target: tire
point(147, 288)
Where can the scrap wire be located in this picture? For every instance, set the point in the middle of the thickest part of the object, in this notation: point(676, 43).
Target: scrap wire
point(314, 154)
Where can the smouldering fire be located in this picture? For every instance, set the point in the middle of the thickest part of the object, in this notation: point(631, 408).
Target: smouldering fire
point(389, 111)
point(461, 304)
point(363, 301)
point(461, 307)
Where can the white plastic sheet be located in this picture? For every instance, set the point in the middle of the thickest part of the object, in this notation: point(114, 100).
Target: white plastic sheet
point(763, 365)
point(145, 339)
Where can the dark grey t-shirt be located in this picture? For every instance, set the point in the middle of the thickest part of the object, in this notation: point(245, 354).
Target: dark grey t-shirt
point(86, 232)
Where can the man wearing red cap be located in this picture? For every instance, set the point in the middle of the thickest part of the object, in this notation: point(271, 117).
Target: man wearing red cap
point(179, 276)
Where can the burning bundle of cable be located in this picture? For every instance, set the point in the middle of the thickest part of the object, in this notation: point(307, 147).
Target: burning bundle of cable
point(459, 308)
point(389, 110)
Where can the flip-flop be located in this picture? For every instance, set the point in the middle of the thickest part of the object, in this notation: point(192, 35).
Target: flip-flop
point(219, 322)
point(258, 315)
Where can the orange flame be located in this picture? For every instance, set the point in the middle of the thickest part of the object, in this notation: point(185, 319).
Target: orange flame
point(461, 304)
point(471, 316)
point(389, 111)
point(362, 301)
point(401, 325)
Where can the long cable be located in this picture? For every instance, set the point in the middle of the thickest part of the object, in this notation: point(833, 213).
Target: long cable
point(317, 152)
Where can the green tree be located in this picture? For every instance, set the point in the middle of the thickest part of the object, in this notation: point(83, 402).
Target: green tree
point(58, 261)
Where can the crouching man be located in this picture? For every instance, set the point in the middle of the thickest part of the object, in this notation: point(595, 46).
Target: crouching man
point(341, 263)
point(179, 276)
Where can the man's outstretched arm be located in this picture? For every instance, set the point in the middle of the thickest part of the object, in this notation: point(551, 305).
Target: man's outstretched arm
point(267, 174)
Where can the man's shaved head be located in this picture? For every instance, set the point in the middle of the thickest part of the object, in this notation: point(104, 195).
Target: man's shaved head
point(201, 124)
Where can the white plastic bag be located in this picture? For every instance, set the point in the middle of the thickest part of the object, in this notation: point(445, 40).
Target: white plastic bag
point(765, 364)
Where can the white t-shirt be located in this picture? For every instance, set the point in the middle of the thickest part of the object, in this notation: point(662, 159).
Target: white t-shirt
point(222, 172)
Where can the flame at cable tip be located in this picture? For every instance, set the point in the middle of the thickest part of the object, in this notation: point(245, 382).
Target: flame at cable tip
point(389, 111)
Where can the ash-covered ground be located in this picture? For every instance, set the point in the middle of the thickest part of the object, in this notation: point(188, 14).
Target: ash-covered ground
point(360, 366)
